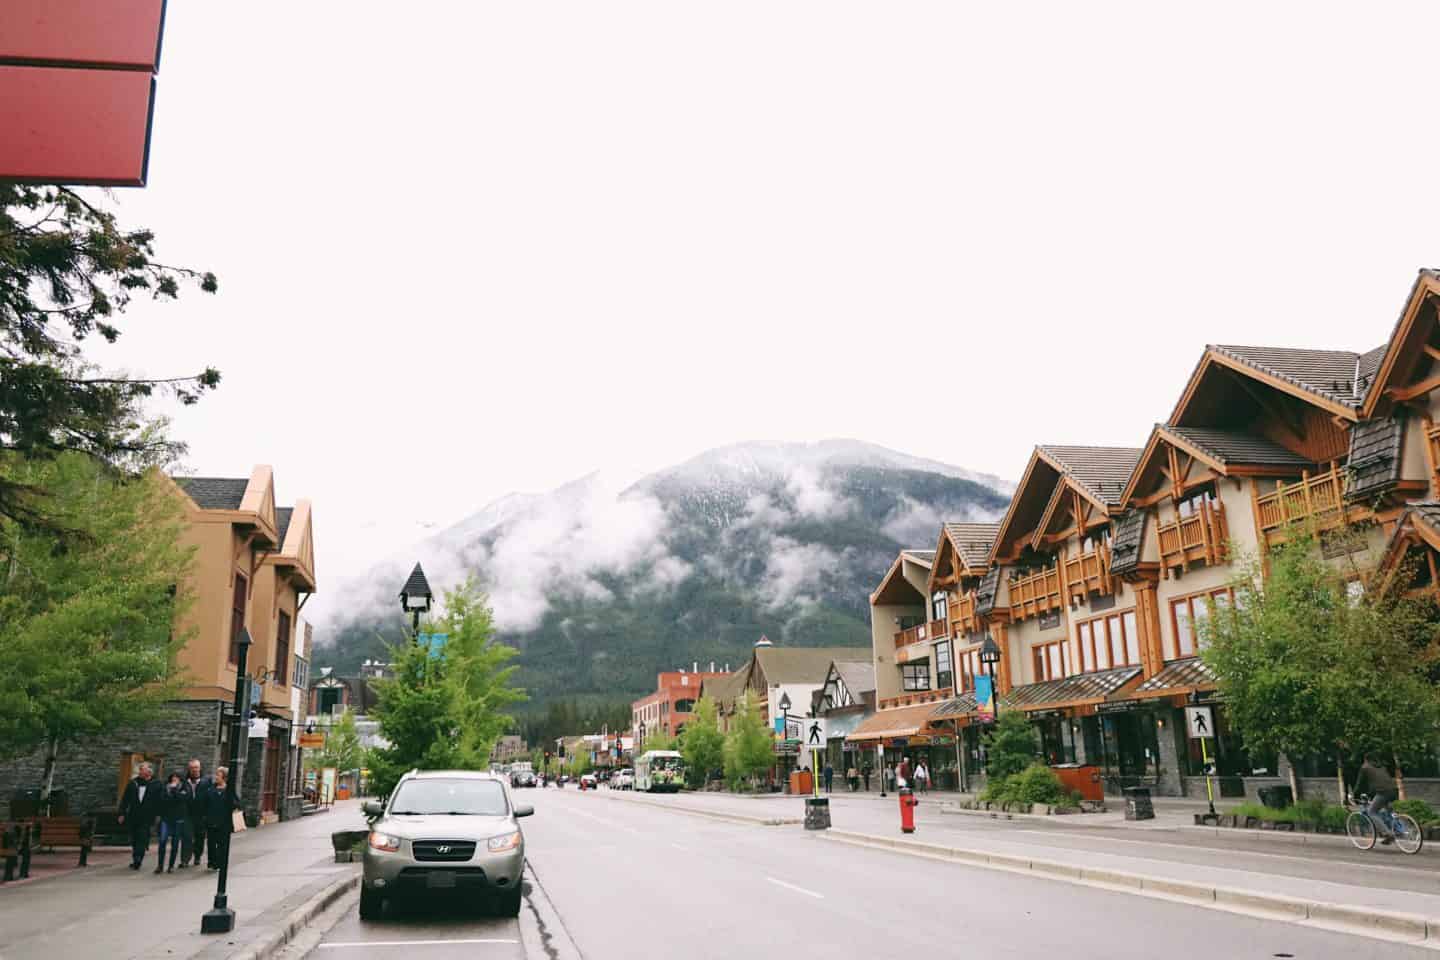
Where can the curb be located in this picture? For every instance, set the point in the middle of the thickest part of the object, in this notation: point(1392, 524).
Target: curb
point(1360, 921)
point(272, 942)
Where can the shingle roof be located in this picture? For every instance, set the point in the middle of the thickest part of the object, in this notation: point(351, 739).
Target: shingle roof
point(1374, 462)
point(1102, 471)
point(986, 592)
point(1228, 447)
point(1370, 365)
point(805, 664)
point(282, 522)
point(960, 706)
point(1190, 672)
point(925, 557)
point(214, 493)
point(1329, 374)
point(1129, 537)
point(723, 690)
point(1087, 686)
point(973, 541)
point(858, 677)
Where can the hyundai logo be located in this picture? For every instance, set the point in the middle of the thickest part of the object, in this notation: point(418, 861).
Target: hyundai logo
point(442, 849)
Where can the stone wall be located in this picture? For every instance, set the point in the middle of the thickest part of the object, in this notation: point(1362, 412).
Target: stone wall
point(89, 771)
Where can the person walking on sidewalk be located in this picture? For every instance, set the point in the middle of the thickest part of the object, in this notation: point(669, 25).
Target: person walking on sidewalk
point(865, 775)
point(889, 774)
point(219, 818)
point(138, 806)
point(853, 777)
point(195, 786)
point(922, 777)
point(174, 807)
point(903, 773)
point(829, 776)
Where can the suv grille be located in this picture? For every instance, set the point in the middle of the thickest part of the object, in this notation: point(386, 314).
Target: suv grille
point(443, 851)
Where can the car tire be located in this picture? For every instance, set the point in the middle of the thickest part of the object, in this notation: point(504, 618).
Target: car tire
point(508, 903)
point(372, 905)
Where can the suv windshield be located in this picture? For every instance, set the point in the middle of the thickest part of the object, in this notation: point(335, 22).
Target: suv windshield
point(484, 798)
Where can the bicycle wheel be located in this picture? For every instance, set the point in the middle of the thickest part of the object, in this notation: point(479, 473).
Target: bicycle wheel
point(1360, 829)
point(1408, 835)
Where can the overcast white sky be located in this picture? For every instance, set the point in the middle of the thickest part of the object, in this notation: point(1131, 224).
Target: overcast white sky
point(470, 248)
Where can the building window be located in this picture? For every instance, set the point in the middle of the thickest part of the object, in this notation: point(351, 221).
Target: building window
point(970, 668)
point(1187, 620)
point(1191, 504)
point(301, 677)
point(938, 607)
point(237, 616)
point(1109, 641)
point(282, 649)
point(916, 676)
point(1052, 660)
point(944, 672)
point(684, 706)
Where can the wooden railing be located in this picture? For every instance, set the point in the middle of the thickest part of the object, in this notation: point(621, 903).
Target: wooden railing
point(1317, 503)
point(1198, 538)
point(917, 698)
point(916, 634)
point(1036, 594)
point(1088, 573)
point(939, 629)
point(962, 612)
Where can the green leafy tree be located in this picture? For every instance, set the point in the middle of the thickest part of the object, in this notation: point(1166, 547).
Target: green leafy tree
point(659, 740)
point(90, 627)
point(704, 743)
point(342, 746)
point(67, 271)
point(747, 751)
point(445, 710)
point(1010, 746)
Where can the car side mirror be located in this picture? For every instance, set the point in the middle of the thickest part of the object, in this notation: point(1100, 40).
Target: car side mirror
point(372, 808)
point(524, 810)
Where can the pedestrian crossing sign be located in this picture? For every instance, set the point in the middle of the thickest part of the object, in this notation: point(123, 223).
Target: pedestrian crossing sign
point(1200, 721)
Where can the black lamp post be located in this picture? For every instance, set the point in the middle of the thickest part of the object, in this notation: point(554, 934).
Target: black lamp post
point(990, 656)
point(641, 745)
point(415, 599)
point(220, 918)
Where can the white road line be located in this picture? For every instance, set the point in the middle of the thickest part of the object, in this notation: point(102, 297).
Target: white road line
point(409, 943)
point(791, 886)
point(680, 846)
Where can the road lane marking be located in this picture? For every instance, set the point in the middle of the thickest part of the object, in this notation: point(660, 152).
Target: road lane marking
point(791, 886)
point(680, 846)
point(411, 943)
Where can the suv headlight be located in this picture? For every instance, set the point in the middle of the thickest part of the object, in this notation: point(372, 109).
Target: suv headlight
point(384, 841)
point(507, 841)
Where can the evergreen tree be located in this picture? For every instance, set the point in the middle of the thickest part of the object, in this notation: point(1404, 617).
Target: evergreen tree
point(1010, 745)
point(90, 627)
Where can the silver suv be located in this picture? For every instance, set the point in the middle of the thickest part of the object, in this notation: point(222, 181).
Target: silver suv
point(444, 830)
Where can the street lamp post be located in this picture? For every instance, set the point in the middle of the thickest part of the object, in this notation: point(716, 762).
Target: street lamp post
point(415, 599)
point(220, 918)
point(784, 706)
point(990, 657)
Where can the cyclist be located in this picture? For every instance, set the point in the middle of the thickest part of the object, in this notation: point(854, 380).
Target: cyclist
point(1374, 778)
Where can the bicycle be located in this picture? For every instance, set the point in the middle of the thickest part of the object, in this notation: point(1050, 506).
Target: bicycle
point(1362, 830)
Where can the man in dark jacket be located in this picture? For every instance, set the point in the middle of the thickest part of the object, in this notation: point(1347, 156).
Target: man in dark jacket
point(195, 786)
point(1376, 780)
point(138, 807)
point(218, 809)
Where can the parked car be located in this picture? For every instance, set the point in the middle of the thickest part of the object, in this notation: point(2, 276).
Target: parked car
point(589, 781)
point(523, 779)
point(444, 831)
point(623, 780)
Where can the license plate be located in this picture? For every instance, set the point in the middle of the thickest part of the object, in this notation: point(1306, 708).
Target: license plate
point(440, 879)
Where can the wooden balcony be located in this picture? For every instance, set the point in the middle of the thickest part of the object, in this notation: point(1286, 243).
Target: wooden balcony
point(1088, 573)
point(916, 634)
point(962, 612)
point(939, 629)
point(1036, 594)
point(1314, 503)
point(1198, 538)
point(916, 698)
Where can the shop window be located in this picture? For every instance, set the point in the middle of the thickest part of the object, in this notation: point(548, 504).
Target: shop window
point(944, 674)
point(1109, 641)
point(1057, 740)
point(1188, 616)
point(916, 676)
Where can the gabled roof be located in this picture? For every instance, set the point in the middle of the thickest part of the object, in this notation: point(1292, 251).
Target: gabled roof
point(1099, 474)
point(1406, 347)
point(253, 499)
point(214, 493)
point(1419, 524)
point(891, 583)
point(858, 676)
point(282, 521)
point(1231, 447)
point(724, 689)
point(972, 542)
point(1101, 471)
point(1375, 455)
point(923, 557)
point(1328, 379)
point(805, 664)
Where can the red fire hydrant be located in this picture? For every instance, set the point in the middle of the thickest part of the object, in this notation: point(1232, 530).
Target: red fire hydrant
point(908, 803)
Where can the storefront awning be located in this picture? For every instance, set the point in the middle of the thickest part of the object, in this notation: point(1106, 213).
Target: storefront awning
point(1178, 677)
point(902, 722)
point(1088, 688)
point(955, 708)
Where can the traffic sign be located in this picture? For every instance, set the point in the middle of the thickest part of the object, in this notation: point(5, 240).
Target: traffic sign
point(1200, 721)
point(814, 728)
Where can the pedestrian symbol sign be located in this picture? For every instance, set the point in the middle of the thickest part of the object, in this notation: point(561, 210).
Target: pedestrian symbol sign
point(1200, 721)
point(814, 734)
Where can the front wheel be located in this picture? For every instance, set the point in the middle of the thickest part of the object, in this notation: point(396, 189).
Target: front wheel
point(1408, 835)
point(1361, 830)
point(372, 904)
point(508, 903)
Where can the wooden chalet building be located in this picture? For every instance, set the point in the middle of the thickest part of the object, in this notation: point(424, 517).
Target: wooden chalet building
point(1107, 558)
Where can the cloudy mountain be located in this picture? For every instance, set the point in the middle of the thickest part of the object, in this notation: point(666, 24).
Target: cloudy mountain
point(601, 583)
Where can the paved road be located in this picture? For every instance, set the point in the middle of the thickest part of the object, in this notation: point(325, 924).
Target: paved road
point(432, 931)
point(634, 882)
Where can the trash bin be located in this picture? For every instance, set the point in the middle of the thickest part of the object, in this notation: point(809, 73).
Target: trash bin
point(1276, 798)
point(1137, 804)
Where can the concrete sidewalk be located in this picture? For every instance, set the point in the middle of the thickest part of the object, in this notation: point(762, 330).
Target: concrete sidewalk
point(113, 912)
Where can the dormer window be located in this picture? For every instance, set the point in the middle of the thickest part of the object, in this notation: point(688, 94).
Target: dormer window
point(939, 608)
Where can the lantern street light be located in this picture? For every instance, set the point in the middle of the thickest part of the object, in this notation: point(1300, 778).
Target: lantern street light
point(220, 918)
point(642, 733)
point(990, 656)
point(415, 599)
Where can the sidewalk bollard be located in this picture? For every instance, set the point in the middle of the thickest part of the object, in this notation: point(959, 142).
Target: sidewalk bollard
point(908, 803)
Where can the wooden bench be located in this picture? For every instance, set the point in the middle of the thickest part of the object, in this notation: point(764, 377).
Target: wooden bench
point(52, 832)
